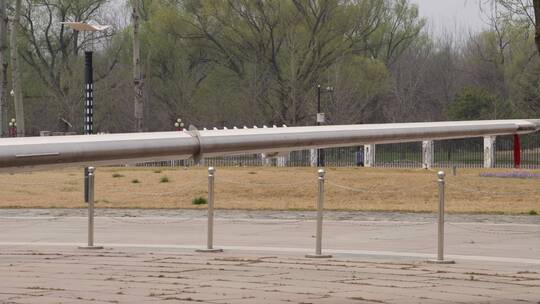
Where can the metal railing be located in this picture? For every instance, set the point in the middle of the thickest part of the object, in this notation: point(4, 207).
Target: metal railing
point(319, 218)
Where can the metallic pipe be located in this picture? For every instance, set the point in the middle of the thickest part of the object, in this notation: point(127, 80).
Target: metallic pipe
point(440, 225)
point(440, 230)
point(112, 149)
point(320, 210)
point(91, 183)
point(210, 232)
point(210, 222)
point(91, 150)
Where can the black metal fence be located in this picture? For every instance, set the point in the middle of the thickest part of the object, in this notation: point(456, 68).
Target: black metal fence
point(405, 155)
point(462, 153)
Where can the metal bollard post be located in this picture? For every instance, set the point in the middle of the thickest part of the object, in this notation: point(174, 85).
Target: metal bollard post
point(210, 228)
point(440, 226)
point(91, 177)
point(320, 208)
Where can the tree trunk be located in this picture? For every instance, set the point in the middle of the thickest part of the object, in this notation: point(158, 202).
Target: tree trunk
point(138, 81)
point(16, 71)
point(536, 4)
point(3, 69)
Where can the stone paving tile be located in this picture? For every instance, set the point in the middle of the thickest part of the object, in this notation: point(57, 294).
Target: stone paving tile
point(139, 276)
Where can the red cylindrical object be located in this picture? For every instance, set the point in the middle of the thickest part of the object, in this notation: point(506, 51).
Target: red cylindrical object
point(517, 151)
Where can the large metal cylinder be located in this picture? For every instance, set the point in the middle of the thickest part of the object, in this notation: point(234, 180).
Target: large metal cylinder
point(111, 149)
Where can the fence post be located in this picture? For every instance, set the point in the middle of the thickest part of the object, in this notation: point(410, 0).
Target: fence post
point(282, 160)
point(91, 180)
point(427, 154)
point(489, 151)
point(320, 208)
point(440, 227)
point(210, 227)
point(369, 155)
point(313, 157)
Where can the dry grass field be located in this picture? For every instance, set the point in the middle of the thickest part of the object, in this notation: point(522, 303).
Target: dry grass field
point(274, 188)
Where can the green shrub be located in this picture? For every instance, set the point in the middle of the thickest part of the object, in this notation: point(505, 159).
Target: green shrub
point(157, 171)
point(117, 175)
point(164, 179)
point(533, 212)
point(199, 201)
point(135, 181)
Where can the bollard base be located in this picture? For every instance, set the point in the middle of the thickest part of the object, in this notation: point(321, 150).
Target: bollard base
point(213, 250)
point(318, 256)
point(91, 247)
point(441, 262)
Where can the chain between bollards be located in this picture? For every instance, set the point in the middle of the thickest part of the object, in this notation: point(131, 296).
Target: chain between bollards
point(320, 209)
point(210, 228)
point(91, 177)
point(440, 226)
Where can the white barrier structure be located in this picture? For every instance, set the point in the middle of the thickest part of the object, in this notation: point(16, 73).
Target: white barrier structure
point(313, 157)
point(281, 161)
point(428, 148)
point(489, 151)
point(369, 155)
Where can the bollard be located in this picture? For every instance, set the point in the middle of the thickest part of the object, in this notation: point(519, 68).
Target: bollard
point(440, 226)
point(320, 208)
point(210, 228)
point(91, 177)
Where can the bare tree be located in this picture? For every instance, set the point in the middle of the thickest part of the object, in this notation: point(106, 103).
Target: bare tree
point(4, 68)
point(16, 70)
point(536, 4)
point(138, 81)
point(526, 12)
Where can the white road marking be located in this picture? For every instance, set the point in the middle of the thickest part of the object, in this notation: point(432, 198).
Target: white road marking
point(291, 250)
point(306, 219)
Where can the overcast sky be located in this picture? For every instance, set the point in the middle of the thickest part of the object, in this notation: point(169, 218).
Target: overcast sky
point(453, 15)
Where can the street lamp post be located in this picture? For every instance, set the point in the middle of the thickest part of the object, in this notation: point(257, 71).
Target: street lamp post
point(12, 132)
point(89, 85)
point(179, 125)
point(321, 120)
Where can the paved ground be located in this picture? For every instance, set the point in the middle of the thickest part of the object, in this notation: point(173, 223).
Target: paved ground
point(149, 257)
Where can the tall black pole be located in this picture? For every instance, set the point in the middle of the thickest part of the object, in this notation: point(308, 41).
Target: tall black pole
point(89, 111)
